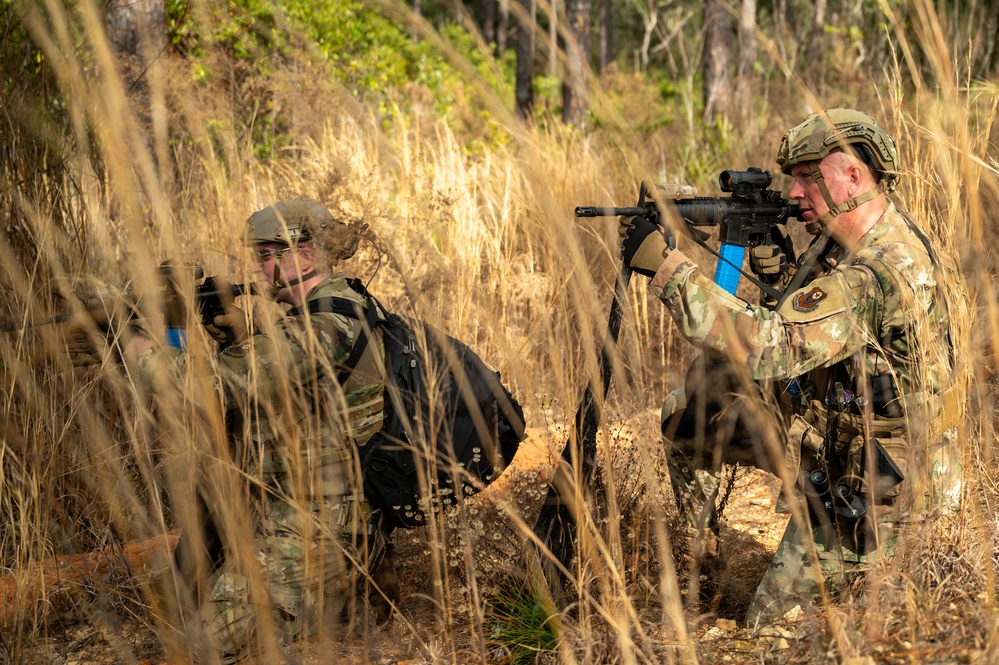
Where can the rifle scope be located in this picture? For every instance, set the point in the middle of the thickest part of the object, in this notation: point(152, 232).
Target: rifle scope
point(744, 183)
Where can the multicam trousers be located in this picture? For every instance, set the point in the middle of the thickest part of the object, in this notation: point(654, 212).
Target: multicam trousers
point(808, 563)
point(702, 433)
point(297, 582)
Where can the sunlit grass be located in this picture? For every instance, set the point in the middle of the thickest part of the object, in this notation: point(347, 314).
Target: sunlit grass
point(484, 246)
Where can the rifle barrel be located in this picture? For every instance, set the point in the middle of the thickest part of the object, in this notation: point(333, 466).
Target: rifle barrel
point(14, 326)
point(594, 211)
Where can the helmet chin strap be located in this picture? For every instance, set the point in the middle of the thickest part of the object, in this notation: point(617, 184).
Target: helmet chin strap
point(822, 223)
point(277, 283)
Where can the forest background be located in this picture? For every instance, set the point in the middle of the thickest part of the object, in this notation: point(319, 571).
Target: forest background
point(463, 135)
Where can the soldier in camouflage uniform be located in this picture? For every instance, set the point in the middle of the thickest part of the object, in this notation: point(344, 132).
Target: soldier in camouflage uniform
point(859, 351)
point(299, 430)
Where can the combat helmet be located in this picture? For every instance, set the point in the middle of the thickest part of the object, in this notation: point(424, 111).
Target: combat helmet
point(287, 222)
point(848, 130)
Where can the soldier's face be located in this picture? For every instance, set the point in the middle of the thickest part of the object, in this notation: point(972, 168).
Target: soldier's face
point(268, 255)
point(809, 196)
point(274, 261)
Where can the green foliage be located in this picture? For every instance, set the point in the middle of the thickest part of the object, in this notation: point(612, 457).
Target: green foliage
point(638, 100)
point(521, 625)
point(367, 53)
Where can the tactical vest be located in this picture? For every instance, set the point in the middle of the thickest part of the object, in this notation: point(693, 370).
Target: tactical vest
point(841, 412)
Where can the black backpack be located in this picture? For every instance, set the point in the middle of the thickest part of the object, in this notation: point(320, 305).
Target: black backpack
point(438, 393)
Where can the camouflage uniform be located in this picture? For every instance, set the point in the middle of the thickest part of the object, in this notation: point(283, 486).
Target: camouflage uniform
point(866, 318)
point(299, 429)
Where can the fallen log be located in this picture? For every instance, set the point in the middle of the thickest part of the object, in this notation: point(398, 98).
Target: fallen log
point(55, 581)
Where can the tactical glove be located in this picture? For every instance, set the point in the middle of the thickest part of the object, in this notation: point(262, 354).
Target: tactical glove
point(83, 349)
point(775, 262)
point(642, 245)
point(96, 327)
point(768, 262)
point(231, 326)
point(88, 346)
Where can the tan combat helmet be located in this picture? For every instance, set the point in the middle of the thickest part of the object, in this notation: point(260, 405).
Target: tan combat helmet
point(847, 130)
point(287, 222)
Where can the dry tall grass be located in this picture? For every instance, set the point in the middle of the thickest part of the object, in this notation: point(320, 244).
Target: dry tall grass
point(485, 247)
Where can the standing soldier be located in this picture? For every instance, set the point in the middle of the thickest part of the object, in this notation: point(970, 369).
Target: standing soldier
point(296, 428)
point(859, 350)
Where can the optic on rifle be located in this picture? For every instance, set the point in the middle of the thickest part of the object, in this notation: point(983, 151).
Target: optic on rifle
point(744, 183)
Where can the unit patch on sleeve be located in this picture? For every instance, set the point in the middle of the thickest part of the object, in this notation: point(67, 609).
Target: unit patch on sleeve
point(806, 302)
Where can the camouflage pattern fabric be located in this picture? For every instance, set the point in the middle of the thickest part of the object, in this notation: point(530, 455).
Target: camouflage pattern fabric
point(716, 418)
point(809, 562)
point(873, 311)
point(304, 579)
point(883, 291)
point(299, 432)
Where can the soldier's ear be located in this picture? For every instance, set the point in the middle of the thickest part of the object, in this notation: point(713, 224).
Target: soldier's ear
point(857, 173)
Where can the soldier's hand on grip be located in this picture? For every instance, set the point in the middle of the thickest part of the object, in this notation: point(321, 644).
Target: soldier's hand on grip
point(768, 262)
point(84, 349)
point(231, 326)
point(772, 261)
point(642, 245)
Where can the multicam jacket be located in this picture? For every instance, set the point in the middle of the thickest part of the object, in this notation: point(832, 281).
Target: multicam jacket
point(872, 314)
point(286, 380)
point(299, 425)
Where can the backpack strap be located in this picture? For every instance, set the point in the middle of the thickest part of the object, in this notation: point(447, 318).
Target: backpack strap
point(351, 309)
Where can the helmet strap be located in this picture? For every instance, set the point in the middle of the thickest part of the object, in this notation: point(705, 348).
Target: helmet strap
point(822, 222)
point(277, 283)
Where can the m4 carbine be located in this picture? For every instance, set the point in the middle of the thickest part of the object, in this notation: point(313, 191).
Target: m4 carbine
point(744, 219)
point(109, 309)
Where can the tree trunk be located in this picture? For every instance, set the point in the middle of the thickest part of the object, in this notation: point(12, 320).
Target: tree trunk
point(577, 51)
point(649, 23)
point(747, 57)
point(525, 59)
point(489, 22)
point(132, 24)
point(816, 35)
point(417, 11)
point(606, 28)
point(502, 24)
point(719, 35)
point(553, 40)
point(54, 581)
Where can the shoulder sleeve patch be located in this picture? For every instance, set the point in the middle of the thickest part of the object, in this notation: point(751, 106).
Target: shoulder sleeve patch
point(822, 298)
point(806, 301)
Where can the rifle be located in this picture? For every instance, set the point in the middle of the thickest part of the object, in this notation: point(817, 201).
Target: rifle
point(208, 296)
point(744, 219)
point(107, 309)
